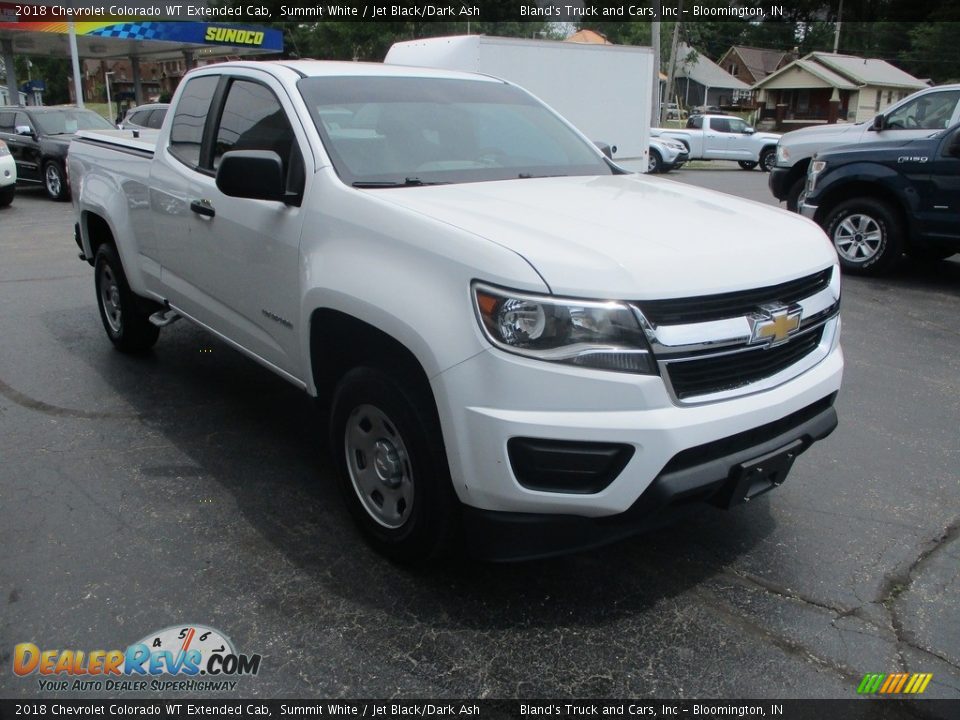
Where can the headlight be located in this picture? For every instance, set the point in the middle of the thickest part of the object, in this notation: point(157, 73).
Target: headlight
point(4, 150)
point(816, 167)
point(585, 333)
point(783, 155)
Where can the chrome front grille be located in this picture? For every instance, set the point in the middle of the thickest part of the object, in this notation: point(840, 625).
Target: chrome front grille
point(707, 349)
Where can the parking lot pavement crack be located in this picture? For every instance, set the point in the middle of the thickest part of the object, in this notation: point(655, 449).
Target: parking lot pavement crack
point(895, 627)
point(932, 653)
point(785, 592)
point(25, 401)
point(899, 581)
point(786, 645)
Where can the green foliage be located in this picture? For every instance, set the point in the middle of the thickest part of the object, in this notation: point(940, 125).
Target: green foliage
point(919, 36)
point(54, 71)
point(924, 49)
point(935, 51)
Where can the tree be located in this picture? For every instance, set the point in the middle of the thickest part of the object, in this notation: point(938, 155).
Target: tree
point(55, 73)
point(918, 36)
point(934, 51)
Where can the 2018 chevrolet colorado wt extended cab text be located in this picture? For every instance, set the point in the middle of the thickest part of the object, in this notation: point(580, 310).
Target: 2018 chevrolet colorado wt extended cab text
point(519, 343)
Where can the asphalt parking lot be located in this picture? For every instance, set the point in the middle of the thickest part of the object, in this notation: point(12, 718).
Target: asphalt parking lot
point(191, 486)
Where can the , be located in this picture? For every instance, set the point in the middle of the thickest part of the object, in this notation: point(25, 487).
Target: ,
point(508, 359)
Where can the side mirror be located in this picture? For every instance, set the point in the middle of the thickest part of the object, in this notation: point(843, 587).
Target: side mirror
point(23, 130)
point(606, 149)
point(748, 131)
point(879, 123)
point(254, 174)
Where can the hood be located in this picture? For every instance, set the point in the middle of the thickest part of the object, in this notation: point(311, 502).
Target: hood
point(629, 236)
point(668, 142)
point(822, 133)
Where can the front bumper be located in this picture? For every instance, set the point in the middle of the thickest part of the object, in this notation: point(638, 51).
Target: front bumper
point(808, 211)
point(709, 473)
point(8, 172)
point(494, 397)
point(778, 182)
point(678, 161)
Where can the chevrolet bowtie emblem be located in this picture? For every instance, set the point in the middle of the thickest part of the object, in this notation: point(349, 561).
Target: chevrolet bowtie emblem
point(774, 324)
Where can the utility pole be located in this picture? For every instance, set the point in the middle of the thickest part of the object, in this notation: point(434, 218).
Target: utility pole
point(75, 60)
point(655, 44)
point(836, 32)
point(106, 78)
point(671, 72)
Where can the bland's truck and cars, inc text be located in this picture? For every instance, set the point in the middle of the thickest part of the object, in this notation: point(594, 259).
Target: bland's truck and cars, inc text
point(519, 344)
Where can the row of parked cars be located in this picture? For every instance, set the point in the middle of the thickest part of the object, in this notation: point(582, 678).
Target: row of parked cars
point(711, 134)
point(880, 189)
point(37, 139)
point(718, 136)
point(34, 142)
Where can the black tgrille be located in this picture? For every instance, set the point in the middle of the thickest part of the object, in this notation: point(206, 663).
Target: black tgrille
point(728, 372)
point(734, 304)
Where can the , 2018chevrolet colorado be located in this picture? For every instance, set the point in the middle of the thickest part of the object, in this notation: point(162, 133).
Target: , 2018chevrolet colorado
point(520, 344)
